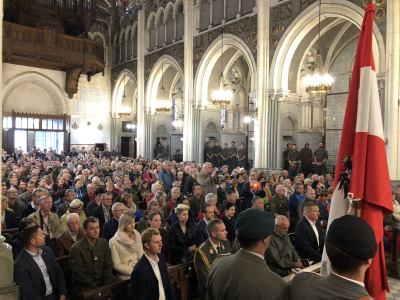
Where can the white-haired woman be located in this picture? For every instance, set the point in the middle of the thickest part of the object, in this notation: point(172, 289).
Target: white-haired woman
point(126, 247)
point(287, 184)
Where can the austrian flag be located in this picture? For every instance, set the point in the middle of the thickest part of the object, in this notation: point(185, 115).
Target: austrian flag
point(362, 163)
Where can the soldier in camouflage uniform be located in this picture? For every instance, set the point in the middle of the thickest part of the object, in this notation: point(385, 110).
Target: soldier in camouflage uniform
point(294, 161)
point(216, 161)
point(242, 156)
point(27, 196)
point(232, 152)
point(306, 156)
point(225, 155)
point(320, 158)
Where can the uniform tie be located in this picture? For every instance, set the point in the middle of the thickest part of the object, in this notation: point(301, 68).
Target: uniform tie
point(218, 251)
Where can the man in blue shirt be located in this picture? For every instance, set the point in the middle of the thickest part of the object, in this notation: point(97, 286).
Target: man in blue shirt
point(36, 270)
point(294, 201)
point(167, 177)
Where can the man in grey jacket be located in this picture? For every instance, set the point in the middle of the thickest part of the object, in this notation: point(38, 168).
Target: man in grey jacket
point(245, 275)
point(208, 179)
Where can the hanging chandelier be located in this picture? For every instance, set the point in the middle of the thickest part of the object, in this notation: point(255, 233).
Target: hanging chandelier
point(318, 84)
point(124, 111)
point(162, 106)
point(221, 97)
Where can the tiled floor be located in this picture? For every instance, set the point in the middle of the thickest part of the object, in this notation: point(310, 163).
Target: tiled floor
point(394, 289)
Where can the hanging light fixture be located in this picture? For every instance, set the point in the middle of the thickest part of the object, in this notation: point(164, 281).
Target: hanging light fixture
point(124, 111)
point(221, 97)
point(318, 84)
point(162, 105)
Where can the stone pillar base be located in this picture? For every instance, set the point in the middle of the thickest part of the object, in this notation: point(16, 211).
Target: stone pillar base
point(9, 291)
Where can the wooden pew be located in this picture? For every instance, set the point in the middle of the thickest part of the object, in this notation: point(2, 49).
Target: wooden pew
point(178, 275)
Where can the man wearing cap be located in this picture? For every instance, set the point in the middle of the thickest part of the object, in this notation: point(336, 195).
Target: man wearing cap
point(245, 275)
point(350, 253)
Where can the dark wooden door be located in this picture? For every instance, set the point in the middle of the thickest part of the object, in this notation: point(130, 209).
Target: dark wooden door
point(125, 146)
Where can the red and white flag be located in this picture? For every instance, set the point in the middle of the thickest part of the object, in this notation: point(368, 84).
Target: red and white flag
point(361, 166)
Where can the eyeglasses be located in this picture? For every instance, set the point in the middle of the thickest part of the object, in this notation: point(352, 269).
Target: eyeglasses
point(123, 210)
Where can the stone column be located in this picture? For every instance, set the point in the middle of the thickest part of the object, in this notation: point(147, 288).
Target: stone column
point(189, 143)
point(175, 29)
point(392, 88)
point(156, 36)
point(140, 129)
point(8, 289)
point(211, 14)
point(229, 119)
point(201, 130)
point(279, 140)
point(262, 137)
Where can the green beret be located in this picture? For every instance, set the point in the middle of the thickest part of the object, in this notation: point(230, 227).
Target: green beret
point(354, 236)
point(255, 223)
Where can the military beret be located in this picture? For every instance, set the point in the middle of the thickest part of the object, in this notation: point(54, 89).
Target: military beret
point(353, 236)
point(255, 223)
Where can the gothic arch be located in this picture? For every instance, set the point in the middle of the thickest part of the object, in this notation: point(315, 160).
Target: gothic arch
point(119, 89)
point(93, 35)
point(159, 12)
point(150, 19)
point(162, 64)
point(57, 95)
point(162, 124)
point(176, 7)
point(308, 19)
point(128, 32)
point(168, 8)
point(209, 60)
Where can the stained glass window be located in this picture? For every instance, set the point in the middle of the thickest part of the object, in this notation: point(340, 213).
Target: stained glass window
point(223, 117)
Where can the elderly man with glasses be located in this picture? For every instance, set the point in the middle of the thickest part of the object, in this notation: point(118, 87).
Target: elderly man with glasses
point(74, 208)
point(110, 228)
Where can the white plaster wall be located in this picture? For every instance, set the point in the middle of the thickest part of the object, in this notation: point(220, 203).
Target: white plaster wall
point(26, 98)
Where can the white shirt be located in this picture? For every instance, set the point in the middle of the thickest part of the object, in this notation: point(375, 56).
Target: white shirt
point(314, 228)
point(215, 247)
point(156, 269)
point(355, 281)
point(42, 266)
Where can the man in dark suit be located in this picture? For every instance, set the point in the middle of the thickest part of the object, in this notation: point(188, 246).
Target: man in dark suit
point(149, 279)
point(36, 270)
point(248, 195)
point(103, 212)
point(350, 253)
point(110, 228)
point(309, 237)
point(213, 247)
point(200, 229)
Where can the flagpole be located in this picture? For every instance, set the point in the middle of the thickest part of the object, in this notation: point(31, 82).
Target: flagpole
point(356, 203)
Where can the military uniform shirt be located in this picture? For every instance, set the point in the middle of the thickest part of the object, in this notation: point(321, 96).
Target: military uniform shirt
point(321, 155)
point(242, 153)
point(224, 153)
point(231, 151)
point(294, 157)
point(217, 149)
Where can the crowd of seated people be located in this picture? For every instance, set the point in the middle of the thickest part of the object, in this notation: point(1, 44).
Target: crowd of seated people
point(87, 202)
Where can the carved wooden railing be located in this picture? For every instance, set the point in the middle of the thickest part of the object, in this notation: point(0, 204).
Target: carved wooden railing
point(50, 50)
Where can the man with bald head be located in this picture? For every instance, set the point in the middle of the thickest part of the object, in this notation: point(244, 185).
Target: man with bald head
point(281, 256)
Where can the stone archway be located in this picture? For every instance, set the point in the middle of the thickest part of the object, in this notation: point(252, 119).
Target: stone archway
point(55, 94)
point(308, 19)
point(118, 92)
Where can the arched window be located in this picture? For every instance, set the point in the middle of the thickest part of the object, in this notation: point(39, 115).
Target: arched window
point(223, 117)
point(176, 112)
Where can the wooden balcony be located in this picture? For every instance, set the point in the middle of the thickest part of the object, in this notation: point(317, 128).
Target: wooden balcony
point(47, 49)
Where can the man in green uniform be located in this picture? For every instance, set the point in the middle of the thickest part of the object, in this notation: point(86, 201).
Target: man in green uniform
point(225, 155)
point(90, 261)
point(242, 156)
point(281, 256)
point(211, 249)
point(158, 151)
point(209, 152)
point(27, 196)
point(285, 157)
point(216, 155)
point(106, 153)
point(197, 201)
point(320, 158)
point(306, 156)
point(232, 152)
point(294, 161)
point(245, 274)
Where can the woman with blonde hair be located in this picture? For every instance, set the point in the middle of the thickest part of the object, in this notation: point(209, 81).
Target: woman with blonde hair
point(7, 216)
point(126, 247)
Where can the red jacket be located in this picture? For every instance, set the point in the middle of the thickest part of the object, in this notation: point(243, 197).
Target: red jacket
point(149, 198)
point(148, 177)
point(171, 205)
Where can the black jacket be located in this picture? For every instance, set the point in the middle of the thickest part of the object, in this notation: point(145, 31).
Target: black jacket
point(98, 213)
point(17, 245)
point(306, 242)
point(179, 251)
point(144, 283)
point(30, 279)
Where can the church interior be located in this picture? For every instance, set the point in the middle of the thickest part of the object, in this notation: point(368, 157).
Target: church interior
point(135, 74)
